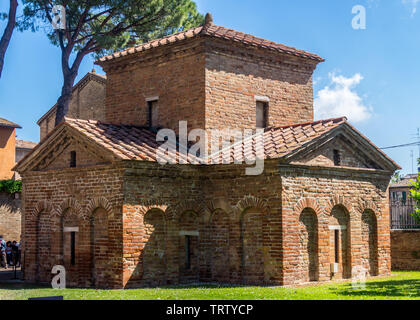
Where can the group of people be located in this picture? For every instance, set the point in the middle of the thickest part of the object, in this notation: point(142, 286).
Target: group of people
point(10, 253)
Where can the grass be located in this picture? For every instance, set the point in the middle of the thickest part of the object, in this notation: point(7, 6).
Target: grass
point(400, 286)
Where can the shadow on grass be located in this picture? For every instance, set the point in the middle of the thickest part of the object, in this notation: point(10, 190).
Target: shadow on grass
point(28, 286)
point(390, 288)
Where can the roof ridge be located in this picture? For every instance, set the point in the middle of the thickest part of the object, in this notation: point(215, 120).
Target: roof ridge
point(206, 29)
point(337, 120)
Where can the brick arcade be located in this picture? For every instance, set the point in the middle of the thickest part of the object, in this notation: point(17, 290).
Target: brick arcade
point(96, 200)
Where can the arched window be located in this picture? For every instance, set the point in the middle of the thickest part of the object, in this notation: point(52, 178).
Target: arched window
point(188, 254)
point(308, 241)
point(252, 246)
point(339, 227)
point(100, 247)
point(43, 247)
point(370, 242)
point(219, 247)
point(154, 253)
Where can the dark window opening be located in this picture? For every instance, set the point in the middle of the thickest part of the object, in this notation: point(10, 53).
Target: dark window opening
point(187, 252)
point(262, 114)
point(337, 158)
point(72, 159)
point(152, 119)
point(73, 248)
point(336, 244)
point(404, 197)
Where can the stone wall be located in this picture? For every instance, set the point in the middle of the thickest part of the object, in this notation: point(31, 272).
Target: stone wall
point(405, 249)
point(10, 216)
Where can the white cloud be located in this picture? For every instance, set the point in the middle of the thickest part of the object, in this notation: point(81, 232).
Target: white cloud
point(412, 4)
point(339, 98)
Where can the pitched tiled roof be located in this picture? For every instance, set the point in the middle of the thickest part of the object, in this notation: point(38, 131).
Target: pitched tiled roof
point(139, 143)
point(125, 141)
point(214, 31)
point(281, 141)
point(405, 182)
point(7, 123)
point(25, 144)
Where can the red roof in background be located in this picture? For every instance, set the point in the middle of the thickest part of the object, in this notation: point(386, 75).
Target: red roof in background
point(25, 144)
point(9, 124)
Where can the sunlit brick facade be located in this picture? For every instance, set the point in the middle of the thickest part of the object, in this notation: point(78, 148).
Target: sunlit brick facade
point(317, 212)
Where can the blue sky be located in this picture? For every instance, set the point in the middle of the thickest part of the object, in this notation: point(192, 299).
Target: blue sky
point(370, 75)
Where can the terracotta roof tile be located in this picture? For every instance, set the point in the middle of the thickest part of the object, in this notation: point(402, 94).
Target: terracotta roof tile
point(139, 143)
point(405, 182)
point(216, 31)
point(10, 124)
point(25, 144)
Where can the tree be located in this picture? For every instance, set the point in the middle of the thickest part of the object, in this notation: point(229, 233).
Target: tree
point(101, 27)
point(8, 31)
point(415, 195)
point(397, 177)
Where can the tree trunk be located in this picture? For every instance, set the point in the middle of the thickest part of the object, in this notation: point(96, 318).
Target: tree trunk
point(7, 35)
point(66, 93)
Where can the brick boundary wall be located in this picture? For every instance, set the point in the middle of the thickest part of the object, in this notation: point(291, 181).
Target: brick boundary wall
point(10, 216)
point(405, 249)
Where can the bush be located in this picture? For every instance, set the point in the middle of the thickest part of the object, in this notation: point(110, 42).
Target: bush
point(10, 186)
point(415, 195)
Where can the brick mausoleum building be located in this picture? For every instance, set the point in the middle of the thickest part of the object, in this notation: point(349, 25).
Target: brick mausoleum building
point(97, 201)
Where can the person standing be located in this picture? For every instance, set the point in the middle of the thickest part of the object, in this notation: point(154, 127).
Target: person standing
point(3, 262)
point(9, 253)
point(15, 250)
point(19, 250)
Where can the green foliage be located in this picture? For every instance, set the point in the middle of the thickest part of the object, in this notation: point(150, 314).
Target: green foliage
point(397, 177)
point(109, 25)
point(415, 195)
point(10, 186)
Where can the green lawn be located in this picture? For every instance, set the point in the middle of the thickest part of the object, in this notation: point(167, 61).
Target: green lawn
point(401, 285)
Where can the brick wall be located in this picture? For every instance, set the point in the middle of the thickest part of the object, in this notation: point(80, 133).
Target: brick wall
point(355, 199)
point(348, 155)
point(405, 249)
point(174, 74)
point(236, 74)
point(172, 224)
point(10, 216)
point(87, 102)
point(263, 241)
point(209, 83)
point(74, 198)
